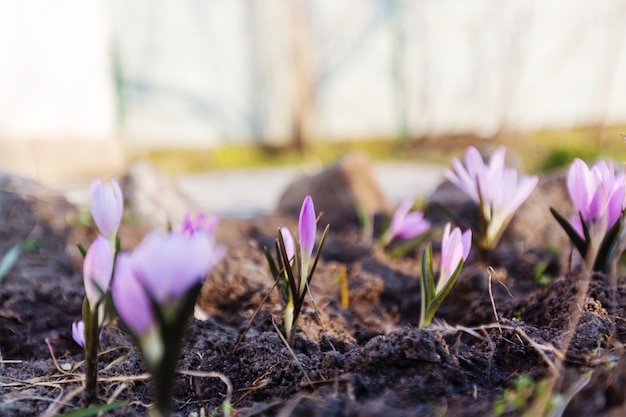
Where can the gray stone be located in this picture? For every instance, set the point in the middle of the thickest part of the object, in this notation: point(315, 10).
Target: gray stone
point(153, 197)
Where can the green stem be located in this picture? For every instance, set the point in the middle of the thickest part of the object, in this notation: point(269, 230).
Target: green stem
point(92, 343)
point(162, 381)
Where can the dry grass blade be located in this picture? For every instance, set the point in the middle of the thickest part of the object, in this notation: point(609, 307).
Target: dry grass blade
point(222, 377)
point(59, 403)
point(292, 352)
point(256, 312)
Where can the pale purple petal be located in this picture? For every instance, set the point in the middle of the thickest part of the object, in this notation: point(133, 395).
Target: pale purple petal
point(97, 269)
point(78, 332)
point(598, 195)
point(461, 178)
point(290, 246)
point(577, 225)
point(496, 162)
point(466, 241)
point(615, 206)
point(407, 224)
point(307, 228)
point(191, 224)
point(520, 191)
point(580, 186)
point(129, 297)
point(398, 218)
point(169, 265)
point(414, 225)
point(107, 206)
point(455, 247)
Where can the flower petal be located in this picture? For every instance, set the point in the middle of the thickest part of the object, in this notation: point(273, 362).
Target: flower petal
point(78, 332)
point(168, 265)
point(107, 205)
point(97, 269)
point(130, 298)
point(307, 228)
point(290, 246)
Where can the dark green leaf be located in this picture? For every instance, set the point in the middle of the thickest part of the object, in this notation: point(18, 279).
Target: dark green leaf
point(579, 243)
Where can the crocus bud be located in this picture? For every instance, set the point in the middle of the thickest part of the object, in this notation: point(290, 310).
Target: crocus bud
point(290, 246)
point(97, 270)
point(107, 205)
point(455, 247)
point(78, 332)
point(307, 228)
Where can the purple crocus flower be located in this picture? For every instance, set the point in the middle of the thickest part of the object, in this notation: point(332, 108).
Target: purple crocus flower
point(406, 224)
point(161, 270)
point(78, 332)
point(455, 247)
point(290, 246)
point(307, 228)
point(497, 189)
point(168, 265)
point(107, 205)
point(97, 269)
point(597, 195)
point(199, 222)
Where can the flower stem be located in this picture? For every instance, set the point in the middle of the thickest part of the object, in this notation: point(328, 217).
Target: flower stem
point(92, 343)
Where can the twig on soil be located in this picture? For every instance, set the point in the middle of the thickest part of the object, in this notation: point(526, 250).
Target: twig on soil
point(490, 270)
point(256, 312)
point(117, 392)
point(59, 403)
point(541, 348)
point(258, 383)
point(292, 352)
point(319, 317)
point(54, 359)
point(222, 377)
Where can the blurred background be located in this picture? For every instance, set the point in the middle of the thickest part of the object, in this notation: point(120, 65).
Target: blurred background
point(88, 85)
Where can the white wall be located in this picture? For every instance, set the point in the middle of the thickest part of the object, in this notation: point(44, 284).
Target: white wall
point(200, 72)
point(55, 70)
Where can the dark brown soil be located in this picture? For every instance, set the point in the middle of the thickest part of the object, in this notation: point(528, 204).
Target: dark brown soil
point(365, 360)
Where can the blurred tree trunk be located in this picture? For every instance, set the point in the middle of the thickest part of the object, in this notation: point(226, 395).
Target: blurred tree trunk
point(614, 46)
point(303, 74)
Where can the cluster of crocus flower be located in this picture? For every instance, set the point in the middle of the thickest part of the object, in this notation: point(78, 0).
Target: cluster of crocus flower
point(496, 189)
point(154, 291)
point(407, 225)
point(106, 208)
point(455, 247)
point(292, 269)
point(599, 198)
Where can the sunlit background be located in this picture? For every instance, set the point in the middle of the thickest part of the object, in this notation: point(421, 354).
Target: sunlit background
point(87, 85)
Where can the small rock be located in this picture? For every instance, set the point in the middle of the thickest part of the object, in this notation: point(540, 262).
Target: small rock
point(340, 191)
point(153, 197)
